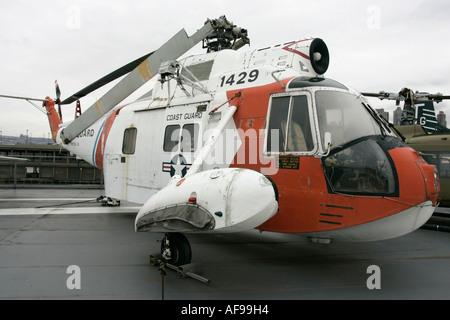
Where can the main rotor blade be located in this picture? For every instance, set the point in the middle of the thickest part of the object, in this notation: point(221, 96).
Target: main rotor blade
point(418, 96)
point(437, 97)
point(171, 50)
point(106, 79)
point(371, 94)
point(23, 98)
point(383, 95)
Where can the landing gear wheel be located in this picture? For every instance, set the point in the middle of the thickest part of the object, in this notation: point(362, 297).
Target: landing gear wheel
point(175, 248)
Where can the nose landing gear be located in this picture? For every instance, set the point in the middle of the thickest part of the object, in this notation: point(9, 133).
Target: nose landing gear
point(175, 249)
point(176, 254)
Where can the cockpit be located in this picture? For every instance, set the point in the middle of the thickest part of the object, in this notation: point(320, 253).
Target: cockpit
point(323, 118)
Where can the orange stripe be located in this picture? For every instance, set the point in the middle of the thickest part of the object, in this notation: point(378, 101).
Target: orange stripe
point(100, 147)
point(53, 117)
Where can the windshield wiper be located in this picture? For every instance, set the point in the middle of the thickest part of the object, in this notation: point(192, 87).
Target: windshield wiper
point(384, 127)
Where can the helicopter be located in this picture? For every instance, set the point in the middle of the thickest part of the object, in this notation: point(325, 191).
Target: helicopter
point(420, 129)
point(231, 140)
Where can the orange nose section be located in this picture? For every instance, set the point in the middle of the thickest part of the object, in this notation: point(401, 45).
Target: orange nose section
point(431, 179)
point(418, 180)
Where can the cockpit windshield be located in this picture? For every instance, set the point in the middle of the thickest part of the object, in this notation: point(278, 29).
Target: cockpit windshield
point(359, 162)
point(345, 116)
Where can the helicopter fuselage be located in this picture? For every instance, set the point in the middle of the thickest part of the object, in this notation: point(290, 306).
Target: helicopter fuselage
point(336, 168)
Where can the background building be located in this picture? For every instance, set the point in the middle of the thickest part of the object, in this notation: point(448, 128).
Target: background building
point(384, 114)
point(442, 118)
point(397, 116)
point(47, 164)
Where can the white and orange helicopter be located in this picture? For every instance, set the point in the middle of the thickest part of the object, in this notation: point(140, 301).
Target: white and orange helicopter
point(229, 141)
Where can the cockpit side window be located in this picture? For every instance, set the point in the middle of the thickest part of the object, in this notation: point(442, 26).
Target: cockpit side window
point(289, 128)
point(278, 124)
point(299, 136)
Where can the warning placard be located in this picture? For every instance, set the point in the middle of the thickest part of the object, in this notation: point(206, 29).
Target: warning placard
point(288, 162)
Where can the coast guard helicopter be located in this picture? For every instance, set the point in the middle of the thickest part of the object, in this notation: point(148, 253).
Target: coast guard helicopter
point(229, 141)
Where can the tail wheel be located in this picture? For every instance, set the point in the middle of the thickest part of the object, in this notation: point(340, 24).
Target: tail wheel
point(175, 248)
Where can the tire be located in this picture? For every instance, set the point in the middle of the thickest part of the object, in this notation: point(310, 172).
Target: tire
point(179, 247)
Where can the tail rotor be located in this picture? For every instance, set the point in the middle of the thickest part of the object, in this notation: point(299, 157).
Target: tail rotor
point(58, 98)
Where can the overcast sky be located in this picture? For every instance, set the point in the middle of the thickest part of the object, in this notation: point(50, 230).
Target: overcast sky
point(374, 45)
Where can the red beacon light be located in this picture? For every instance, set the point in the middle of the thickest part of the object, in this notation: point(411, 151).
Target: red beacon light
point(193, 198)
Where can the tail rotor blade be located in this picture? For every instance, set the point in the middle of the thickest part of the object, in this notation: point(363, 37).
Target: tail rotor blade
point(58, 92)
point(58, 99)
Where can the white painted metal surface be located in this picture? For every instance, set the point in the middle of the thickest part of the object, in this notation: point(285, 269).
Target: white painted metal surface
point(229, 200)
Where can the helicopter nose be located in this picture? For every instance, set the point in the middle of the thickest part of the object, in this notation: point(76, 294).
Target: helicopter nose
point(418, 180)
point(431, 179)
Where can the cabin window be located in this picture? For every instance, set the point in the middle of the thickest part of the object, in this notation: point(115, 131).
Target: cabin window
point(444, 166)
point(289, 127)
point(171, 138)
point(189, 137)
point(187, 141)
point(440, 160)
point(129, 141)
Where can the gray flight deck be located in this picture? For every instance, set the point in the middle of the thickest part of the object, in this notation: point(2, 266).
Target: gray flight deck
point(44, 231)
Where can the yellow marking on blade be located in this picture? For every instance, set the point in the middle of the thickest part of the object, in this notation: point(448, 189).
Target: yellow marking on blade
point(99, 107)
point(145, 71)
